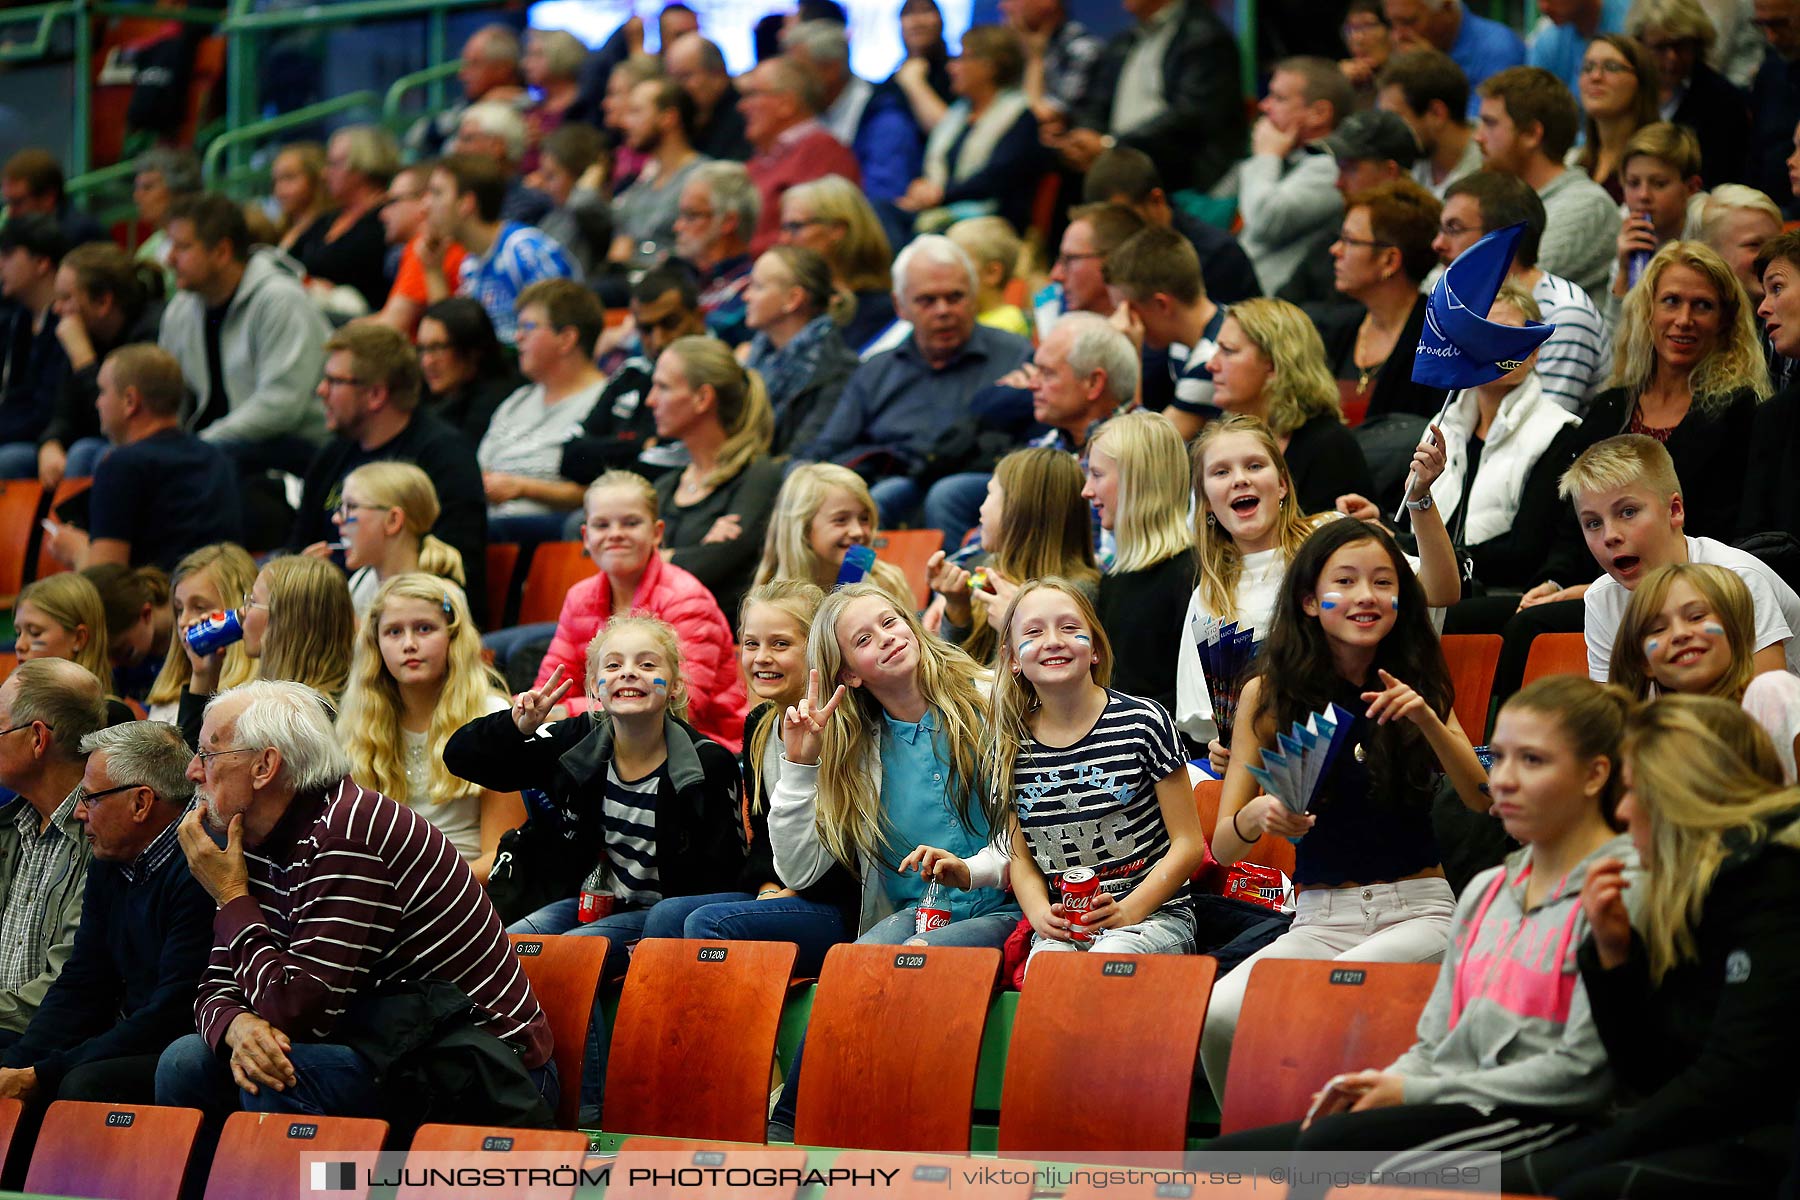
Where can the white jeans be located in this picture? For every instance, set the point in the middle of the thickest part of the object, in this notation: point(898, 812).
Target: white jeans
point(1162, 932)
point(1407, 921)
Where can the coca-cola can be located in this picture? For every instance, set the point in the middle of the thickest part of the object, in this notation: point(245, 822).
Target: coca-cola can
point(593, 906)
point(1079, 886)
point(214, 631)
point(927, 919)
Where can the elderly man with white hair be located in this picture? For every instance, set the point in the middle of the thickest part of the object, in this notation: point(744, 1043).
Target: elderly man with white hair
point(718, 213)
point(334, 904)
point(896, 406)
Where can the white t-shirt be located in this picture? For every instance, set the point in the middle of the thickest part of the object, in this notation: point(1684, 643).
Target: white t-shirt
point(526, 437)
point(458, 819)
point(1258, 589)
point(1777, 607)
point(1773, 698)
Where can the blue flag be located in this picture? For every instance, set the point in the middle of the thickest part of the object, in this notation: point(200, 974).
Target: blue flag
point(1458, 346)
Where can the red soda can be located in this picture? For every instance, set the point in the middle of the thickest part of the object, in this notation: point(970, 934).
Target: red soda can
point(932, 912)
point(593, 906)
point(1079, 886)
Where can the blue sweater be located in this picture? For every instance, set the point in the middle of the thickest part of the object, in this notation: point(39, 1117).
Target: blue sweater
point(128, 987)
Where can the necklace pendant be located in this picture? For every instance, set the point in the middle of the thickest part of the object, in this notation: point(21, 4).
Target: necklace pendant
point(1361, 755)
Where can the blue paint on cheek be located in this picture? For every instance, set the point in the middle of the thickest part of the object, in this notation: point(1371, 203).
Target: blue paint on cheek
point(1331, 599)
point(661, 685)
point(1084, 639)
point(1651, 646)
point(1715, 629)
point(1396, 603)
point(1024, 647)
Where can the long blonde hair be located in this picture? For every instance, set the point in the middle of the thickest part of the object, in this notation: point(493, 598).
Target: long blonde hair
point(1730, 602)
point(787, 547)
point(800, 600)
point(370, 724)
point(1735, 363)
point(234, 573)
point(862, 260)
point(401, 485)
point(741, 403)
point(1046, 528)
point(312, 627)
point(1150, 513)
point(850, 820)
point(72, 601)
point(663, 634)
point(1708, 781)
point(1301, 386)
point(1221, 562)
point(1016, 698)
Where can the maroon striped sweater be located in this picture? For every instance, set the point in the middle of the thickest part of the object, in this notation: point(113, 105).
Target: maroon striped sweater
point(351, 888)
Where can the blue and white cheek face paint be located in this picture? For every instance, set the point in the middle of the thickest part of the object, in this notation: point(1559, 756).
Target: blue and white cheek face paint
point(661, 686)
point(1714, 628)
point(1651, 646)
point(1394, 602)
point(1331, 600)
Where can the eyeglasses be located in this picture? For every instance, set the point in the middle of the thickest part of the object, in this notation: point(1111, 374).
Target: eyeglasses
point(344, 510)
point(16, 728)
point(83, 796)
point(206, 756)
point(1067, 257)
point(1371, 243)
point(1607, 66)
point(334, 381)
point(694, 214)
point(250, 602)
point(795, 227)
point(1454, 229)
point(425, 348)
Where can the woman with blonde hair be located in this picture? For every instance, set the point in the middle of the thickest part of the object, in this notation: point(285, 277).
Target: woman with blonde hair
point(1137, 481)
point(1691, 629)
point(1034, 524)
point(385, 517)
point(298, 190)
point(823, 510)
point(1270, 364)
point(832, 216)
point(797, 311)
point(1701, 991)
point(298, 626)
point(416, 678)
point(1735, 220)
point(347, 245)
point(64, 616)
point(1688, 370)
point(715, 510)
point(209, 580)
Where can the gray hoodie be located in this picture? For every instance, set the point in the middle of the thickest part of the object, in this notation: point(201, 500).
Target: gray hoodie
point(273, 351)
point(1508, 1024)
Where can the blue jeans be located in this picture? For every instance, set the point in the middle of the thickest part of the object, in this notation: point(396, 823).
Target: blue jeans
point(504, 642)
point(896, 499)
point(812, 927)
point(953, 505)
point(989, 929)
point(330, 1081)
point(18, 460)
point(623, 929)
point(84, 456)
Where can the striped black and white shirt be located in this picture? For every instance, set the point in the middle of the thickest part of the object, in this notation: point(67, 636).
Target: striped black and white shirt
point(1573, 362)
point(1093, 803)
point(629, 817)
point(350, 889)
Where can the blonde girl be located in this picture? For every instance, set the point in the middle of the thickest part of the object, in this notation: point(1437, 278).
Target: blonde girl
point(63, 617)
point(1700, 995)
point(416, 678)
point(821, 511)
point(385, 519)
point(642, 807)
point(1083, 776)
point(623, 534)
point(1137, 481)
point(1690, 628)
point(209, 580)
point(298, 626)
point(1034, 523)
point(775, 621)
point(883, 778)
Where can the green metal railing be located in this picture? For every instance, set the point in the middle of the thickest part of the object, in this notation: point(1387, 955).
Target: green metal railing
point(242, 136)
point(431, 78)
point(47, 16)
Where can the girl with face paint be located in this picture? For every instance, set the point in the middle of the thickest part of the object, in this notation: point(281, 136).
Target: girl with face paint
point(1351, 628)
point(1690, 629)
point(638, 805)
point(1086, 777)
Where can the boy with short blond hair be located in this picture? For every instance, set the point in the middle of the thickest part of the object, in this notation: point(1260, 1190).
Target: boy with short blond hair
point(1627, 499)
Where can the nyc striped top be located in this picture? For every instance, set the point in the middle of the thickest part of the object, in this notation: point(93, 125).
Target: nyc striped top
point(1093, 803)
point(348, 890)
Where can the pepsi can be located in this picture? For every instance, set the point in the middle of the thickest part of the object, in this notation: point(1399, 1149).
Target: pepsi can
point(214, 631)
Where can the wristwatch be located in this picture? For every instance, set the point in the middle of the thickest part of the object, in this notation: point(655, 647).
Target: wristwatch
point(1421, 504)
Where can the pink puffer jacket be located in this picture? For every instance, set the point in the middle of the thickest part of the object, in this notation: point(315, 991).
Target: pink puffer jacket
point(716, 701)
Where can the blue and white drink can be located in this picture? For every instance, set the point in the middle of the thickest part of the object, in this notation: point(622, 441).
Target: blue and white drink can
point(215, 631)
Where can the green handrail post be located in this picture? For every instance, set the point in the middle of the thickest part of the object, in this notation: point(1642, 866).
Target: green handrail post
point(1246, 32)
point(46, 16)
point(245, 134)
point(396, 93)
point(436, 30)
point(82, 149)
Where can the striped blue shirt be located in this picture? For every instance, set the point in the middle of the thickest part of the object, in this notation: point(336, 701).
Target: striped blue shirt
point(519, 257)
point(1573, 362)
point(628, 817)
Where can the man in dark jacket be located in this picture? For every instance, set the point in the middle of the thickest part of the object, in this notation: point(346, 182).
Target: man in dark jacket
point(32, 361)
point(1170, 86)
point(127, 990)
